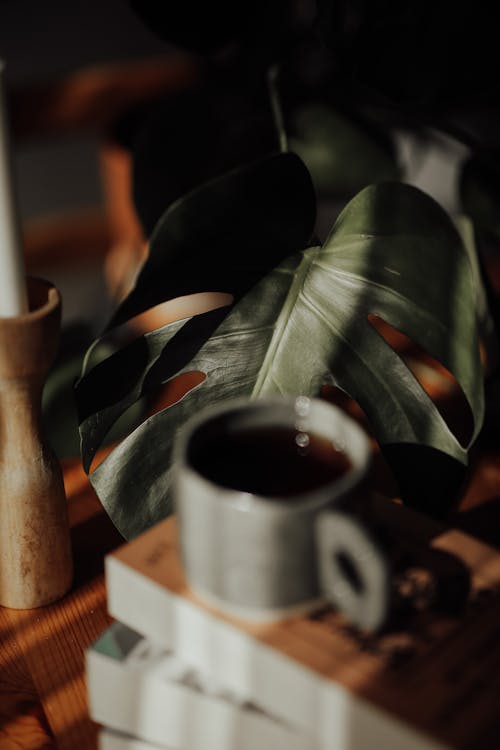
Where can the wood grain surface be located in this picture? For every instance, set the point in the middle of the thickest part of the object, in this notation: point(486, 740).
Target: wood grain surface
point(43, 701)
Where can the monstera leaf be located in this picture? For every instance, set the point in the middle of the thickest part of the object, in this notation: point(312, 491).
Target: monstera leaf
point(394, 253)
point(226, 234)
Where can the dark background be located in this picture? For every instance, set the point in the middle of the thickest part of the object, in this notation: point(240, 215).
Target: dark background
point(42, 41)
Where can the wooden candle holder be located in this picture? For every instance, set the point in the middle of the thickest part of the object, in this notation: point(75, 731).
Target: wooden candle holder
point(35, 551)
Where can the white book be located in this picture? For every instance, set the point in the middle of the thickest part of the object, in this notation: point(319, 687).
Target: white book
point(310, 673)
point(112, 740)
point(140, 689)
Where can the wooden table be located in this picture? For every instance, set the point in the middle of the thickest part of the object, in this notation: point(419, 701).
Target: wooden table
point(43, 700)
point(42, 679)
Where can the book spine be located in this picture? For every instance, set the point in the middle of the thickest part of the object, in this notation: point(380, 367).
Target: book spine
point(110, 740)
point(142, 703)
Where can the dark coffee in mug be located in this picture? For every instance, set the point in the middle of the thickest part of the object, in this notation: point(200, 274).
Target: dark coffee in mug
point(270, 461)
point(255, 555)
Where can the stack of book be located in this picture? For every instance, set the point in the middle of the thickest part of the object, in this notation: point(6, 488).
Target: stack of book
point(171, 672)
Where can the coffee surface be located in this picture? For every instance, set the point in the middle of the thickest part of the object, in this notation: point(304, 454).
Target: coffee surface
point(273, 462)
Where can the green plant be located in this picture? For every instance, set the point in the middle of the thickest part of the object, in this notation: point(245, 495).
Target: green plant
point(300, 316)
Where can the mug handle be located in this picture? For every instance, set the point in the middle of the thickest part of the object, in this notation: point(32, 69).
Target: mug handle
point(353, 571)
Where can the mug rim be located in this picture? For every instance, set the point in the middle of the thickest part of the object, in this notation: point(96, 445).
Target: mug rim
point(302, 501)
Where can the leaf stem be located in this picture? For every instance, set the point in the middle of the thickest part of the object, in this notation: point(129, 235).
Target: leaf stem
point(276, 108)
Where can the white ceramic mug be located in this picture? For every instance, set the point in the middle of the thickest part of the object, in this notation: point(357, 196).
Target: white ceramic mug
point(251, 555)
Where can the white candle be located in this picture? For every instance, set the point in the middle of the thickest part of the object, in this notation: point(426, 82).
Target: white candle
point(13, 300)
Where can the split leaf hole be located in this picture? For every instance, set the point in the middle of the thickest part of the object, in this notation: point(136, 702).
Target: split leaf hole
point(435, 379)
